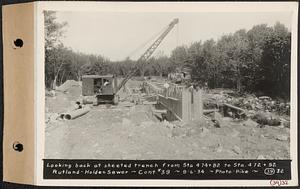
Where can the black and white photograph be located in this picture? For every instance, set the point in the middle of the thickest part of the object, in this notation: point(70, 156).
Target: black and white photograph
point(150, 94)
point(160, 85)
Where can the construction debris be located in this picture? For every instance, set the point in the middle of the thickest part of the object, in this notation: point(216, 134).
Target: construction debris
point(233, 111)
point(246, 102)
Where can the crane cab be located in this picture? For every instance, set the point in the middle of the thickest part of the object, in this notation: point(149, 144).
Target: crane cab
point(102, 87)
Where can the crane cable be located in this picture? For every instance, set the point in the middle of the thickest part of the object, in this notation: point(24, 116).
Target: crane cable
point(177, 40)
point(147, 42)
point(177, 35)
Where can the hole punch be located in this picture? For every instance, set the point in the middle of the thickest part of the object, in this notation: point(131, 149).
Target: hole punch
point(18, 43)
point(17, 146)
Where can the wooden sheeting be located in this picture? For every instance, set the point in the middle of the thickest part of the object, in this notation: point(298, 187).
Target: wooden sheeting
point(184, 103)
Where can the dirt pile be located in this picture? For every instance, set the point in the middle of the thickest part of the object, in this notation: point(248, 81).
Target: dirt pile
point(68, 85)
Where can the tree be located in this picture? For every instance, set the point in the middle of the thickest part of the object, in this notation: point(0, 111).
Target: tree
point(179, 56)
point(161, 64)
point(95, 65)
point(203, 62)
point(257, 38)
point(53, 33)
point(53, 30)
point(276, 58)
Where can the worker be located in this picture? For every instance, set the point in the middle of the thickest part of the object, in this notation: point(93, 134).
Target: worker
point(166, 86)
point(191, 87)
point(106, 82)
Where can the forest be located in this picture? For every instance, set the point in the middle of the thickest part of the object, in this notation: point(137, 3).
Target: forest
point(252, 61)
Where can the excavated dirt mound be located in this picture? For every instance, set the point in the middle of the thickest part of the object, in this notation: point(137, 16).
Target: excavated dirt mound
point(67, 85)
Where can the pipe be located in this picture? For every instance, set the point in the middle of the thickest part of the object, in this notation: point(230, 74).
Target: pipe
point(76, 113)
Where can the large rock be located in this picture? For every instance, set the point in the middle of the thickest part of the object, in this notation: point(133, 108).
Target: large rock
point(264, 118)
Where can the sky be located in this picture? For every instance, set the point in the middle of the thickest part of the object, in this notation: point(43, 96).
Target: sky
point(117, 35)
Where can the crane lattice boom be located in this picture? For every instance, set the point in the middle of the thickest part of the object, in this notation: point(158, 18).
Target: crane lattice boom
point(142, 60)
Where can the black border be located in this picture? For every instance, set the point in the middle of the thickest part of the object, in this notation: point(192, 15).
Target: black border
point(6, 185)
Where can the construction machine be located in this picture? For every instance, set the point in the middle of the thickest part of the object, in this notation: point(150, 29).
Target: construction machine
point(104, 88)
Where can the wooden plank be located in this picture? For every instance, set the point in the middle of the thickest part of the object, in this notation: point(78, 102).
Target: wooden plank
point(164, 111)
point(149, 103)
point(197, 105)
point(186, 105)
point(210, 111)
point(174, 113)
point(234, 107)
point(171, 98)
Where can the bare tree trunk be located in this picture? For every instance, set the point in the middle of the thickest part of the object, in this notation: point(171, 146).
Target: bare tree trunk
point(56, 75)
point(78, 76)
point(239, 84)
point(54, 83)
point(62, 77)
point(238, 81)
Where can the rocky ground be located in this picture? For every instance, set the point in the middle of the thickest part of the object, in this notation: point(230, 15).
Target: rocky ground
point(129, 131)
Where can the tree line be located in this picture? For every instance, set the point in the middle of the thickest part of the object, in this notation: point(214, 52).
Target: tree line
point(255, 61)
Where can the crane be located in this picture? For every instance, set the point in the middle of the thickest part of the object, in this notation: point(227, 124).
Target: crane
point(147, 54)
point(104, 88)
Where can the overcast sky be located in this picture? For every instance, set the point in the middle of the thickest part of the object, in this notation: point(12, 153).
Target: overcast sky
point(118, 35)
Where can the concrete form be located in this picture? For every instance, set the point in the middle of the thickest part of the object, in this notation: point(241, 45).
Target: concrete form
point(182, 103)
